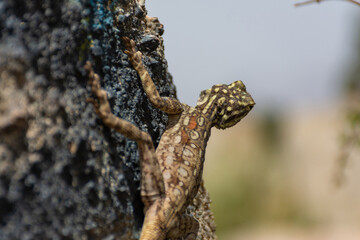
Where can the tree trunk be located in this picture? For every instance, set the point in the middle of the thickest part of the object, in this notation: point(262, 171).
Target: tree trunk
point(63, 175)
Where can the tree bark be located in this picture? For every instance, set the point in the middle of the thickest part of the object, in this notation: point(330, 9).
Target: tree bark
point(63, 175)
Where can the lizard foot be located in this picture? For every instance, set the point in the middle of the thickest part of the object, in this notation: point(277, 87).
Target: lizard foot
point(101, 105)
point(134, 56)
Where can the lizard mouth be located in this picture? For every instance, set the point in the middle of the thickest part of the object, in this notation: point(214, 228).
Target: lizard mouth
point(234, 119)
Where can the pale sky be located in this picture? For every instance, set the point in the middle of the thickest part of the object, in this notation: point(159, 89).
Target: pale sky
point(286, 56)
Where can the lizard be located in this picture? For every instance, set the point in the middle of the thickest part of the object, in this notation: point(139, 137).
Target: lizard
point(171, 174)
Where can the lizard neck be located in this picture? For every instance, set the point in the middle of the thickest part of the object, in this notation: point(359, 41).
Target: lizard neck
point(204, 123)
point(208, 107)
point(192, 124)
point(209, 114)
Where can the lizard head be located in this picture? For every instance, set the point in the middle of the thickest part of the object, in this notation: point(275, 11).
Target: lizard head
point(226, 104)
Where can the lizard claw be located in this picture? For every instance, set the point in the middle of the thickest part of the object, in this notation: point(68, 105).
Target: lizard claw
point(88, 67)
point(90, 100)
point(130, 50)
point(90, 72)
point(93, 102)
point(129, 45)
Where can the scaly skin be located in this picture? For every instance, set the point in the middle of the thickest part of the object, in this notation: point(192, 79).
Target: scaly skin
point(171, 175)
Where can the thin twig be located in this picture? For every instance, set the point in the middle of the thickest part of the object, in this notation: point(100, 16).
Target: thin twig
point(307, 2)
point(318, 1)
point(354, 2)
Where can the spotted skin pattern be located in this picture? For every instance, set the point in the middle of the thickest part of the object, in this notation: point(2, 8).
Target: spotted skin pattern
point(171, 175)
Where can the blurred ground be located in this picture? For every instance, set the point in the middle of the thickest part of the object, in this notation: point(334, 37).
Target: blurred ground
point(272, 177)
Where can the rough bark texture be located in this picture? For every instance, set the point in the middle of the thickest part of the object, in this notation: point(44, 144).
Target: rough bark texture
point(63, 175)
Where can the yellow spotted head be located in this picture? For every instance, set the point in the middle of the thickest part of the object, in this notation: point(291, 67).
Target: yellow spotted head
point(226, 104)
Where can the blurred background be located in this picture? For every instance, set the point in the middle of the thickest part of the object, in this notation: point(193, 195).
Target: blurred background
point(290, 169)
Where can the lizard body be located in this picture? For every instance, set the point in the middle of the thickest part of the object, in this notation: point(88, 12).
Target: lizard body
point(171, 174)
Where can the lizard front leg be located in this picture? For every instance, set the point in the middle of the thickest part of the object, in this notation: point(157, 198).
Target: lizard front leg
point(166, 104)
point(152, 183)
